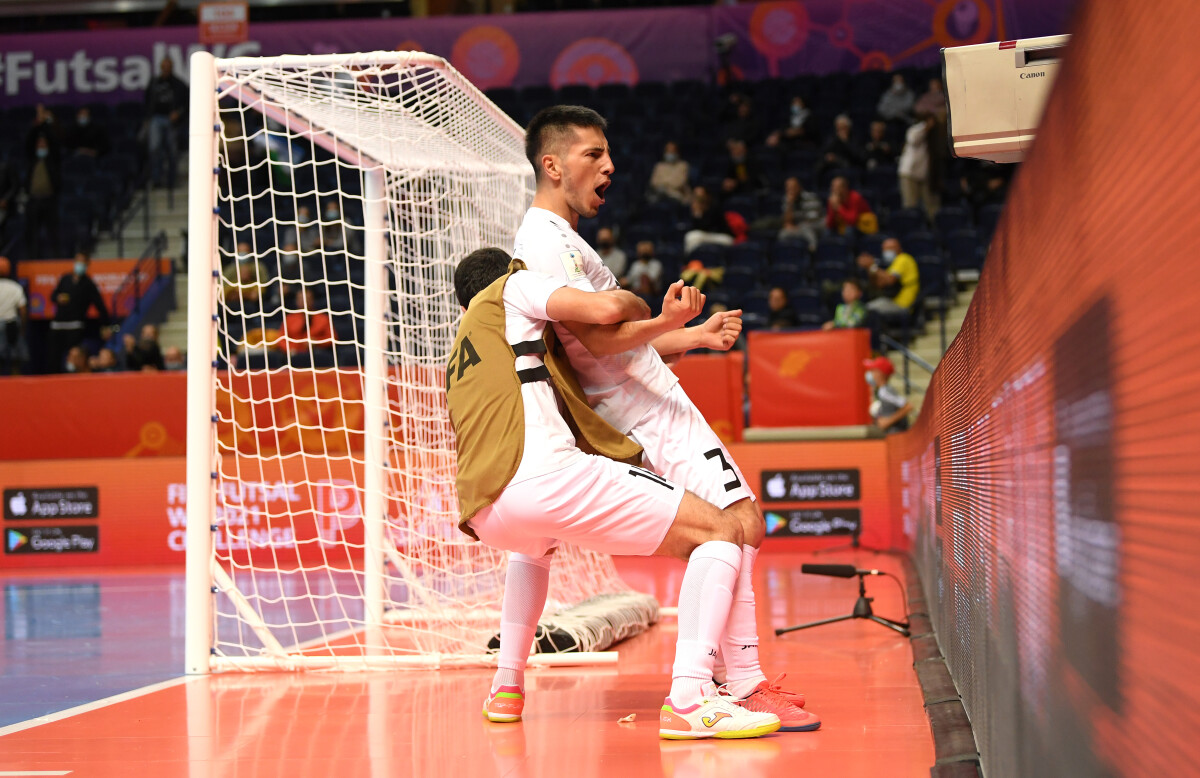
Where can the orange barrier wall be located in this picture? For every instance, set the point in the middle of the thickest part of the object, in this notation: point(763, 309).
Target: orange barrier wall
point(121, 512)
point(1050, 486)
point(98, 415)
point(715, 383)
point(808, 379)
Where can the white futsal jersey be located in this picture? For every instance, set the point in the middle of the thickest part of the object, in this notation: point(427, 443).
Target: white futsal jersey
point(549, 444)
point(621, 387)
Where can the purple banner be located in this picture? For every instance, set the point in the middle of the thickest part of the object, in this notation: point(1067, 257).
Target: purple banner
point(590, 47)
point(780, 38)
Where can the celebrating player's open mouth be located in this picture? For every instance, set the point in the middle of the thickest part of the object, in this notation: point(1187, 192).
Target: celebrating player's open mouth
point(600, 190)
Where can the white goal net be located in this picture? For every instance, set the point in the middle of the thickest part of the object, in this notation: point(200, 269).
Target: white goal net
point(329, 200)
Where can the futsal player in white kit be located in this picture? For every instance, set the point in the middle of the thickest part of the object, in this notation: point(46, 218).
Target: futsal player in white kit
point(524, 485)
point(630, 386)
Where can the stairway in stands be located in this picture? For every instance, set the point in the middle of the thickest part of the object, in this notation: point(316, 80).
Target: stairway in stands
point(173, 222)
point(929, 346)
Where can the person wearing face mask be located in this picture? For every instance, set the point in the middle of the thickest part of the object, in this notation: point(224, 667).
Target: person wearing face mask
point(889, 409)
point(244, 279)
point(742, 175)
point(166, 103)
point(896, 103)
point(85, 137)
point(74, 296)
point(43, 182)
point(669, 178)
point(612, 255)
point(798, 131)
point(898, 285)
point(174, 359)
point(14, 314)
point(645, 274)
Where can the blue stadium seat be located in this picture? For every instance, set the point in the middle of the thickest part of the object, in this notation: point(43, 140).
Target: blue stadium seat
point(754, 302)
point(792, 253)
point(964, 250)
point(918, 243)
point(989, 217)
point(831, 272)
point(739, 281)
point(832, 249)
point(786, 276)
point(807, 305)
point(951, 218)
point(749, 255)
point(905, 220)
point(935, 282)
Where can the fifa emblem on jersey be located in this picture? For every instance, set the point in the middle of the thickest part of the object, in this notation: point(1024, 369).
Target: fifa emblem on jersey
point(573, 263)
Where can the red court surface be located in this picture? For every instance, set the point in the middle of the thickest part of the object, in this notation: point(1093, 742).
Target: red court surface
point(857, 675)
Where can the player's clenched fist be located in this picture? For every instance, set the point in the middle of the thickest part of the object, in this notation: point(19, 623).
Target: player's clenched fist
point(682, 303)
point(721, 330)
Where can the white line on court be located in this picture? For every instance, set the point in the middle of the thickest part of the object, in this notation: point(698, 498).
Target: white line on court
point(88, 707)
point(35, 772)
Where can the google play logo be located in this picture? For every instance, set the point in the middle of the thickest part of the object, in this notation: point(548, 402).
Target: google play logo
point(774, 522)
point(16, 540)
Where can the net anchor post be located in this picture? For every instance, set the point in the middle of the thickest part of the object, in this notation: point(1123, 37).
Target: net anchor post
point(375, 214)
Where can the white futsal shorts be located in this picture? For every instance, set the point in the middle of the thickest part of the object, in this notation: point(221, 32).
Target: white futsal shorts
point(596, 503)
point(680, 445)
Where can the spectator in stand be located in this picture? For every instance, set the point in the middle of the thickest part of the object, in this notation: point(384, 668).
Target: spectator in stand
point(889, 409)
point(780, 315)
point(845, 207)
point(800, 216)
point(898, 285)
point(77, 361)
point(10, 188)
point(896, 104)
point(744, 126)
point(305, 234)
point(670, 177)
point(43, 127)
point(933, 102)
point(14, 315)
point(708, 223)
point(144, 353)
point(105, 361)
point(336, 233)
point(174, 359)
point(244, 280)
point(75, 294)
point(43, 183)
point(840, 151)
point(612, 255)
point(645, 274)
point(879, 149)
point(86, 138)
point(741, 175)
point(798, 131)
point(986, 183)
point(916, 180)
point(307, 327)
point(166, 103)
point(850, 312)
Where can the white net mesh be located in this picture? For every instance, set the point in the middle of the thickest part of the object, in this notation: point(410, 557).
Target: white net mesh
point(316, 163)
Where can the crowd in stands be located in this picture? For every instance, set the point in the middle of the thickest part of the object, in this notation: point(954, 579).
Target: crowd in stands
point(818, 201)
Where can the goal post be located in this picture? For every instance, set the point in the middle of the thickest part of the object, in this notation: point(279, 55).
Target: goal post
point(330, 198)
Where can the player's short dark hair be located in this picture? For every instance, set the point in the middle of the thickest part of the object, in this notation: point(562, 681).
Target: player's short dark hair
point(853, 282)
point(551, 125)
point(477, 271)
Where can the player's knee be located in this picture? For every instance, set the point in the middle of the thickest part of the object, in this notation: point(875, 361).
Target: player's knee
point(750, 518)
point(729, 531)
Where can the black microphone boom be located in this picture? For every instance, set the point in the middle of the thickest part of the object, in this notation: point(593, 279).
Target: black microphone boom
point(837, 571)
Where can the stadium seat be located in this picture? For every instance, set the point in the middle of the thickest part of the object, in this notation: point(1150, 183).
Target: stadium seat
point(905, 220)
point(754, 303)
point(739, 281)
point(951, 218)
point(921, 242)
point(807, 305)
point(791, 253)
point(832, 249)
point(964, 250)
point(989, 217)
point(786, 276)
point(831, 272)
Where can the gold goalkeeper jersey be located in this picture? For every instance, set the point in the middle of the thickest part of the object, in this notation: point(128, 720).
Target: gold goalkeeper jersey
point(487, 410)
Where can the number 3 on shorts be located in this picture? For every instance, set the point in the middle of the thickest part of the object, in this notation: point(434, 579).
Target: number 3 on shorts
point(719, 454)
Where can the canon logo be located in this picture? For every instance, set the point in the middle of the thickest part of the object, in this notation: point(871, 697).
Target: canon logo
point(1033, 75)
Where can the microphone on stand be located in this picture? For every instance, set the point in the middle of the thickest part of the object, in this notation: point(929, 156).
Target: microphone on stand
point(837, 571)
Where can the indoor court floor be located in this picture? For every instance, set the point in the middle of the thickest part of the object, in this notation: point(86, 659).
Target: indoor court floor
point(91, 686)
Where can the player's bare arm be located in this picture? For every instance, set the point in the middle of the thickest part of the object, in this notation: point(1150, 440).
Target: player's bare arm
point(610, 307)
point(680, 305)
point(718, 333)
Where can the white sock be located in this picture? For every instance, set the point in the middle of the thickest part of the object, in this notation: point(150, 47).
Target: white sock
point(739, 645)
point(525, 586)
point(704, 600)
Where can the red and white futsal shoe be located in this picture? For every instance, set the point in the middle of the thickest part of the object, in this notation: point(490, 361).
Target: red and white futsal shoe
point(770, 697)
point(505, 705)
